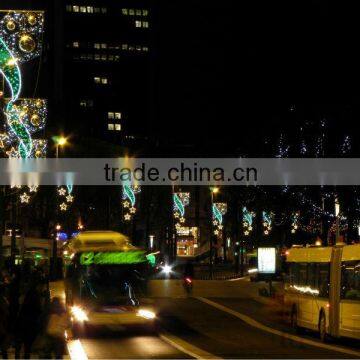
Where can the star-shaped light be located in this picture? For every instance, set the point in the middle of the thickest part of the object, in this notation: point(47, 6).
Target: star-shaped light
point(15, 186)
point(215, 222)
point(266, 232)
point(216, 232)
point(33, 188)
point(126, 204)
point(12, 153)
point(62, 191)
point(127, 217)
point(220, 227)
point(293, 231)
point(69, 198)
point(132, 210)
point(63, 206)
point(246, 233)
point(250, 228)
point(24, 198)
point(182, 219)
point(176, 215)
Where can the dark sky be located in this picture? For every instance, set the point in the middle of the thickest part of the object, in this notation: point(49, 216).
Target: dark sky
point(233, 69)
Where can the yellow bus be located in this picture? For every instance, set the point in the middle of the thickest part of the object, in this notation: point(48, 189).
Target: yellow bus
point(322, 290)
point(103, 276)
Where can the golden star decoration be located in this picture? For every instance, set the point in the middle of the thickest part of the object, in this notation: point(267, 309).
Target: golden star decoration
point(33, 188)
point(182, 219)
point(63, 207)
point(62, 191)
point(24, 198)
point(127, 217)
point(132, 210)
point(126, 204)
point(12, 153)
point(69, 198)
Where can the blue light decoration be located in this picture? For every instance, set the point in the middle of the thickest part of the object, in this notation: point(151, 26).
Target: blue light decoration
point(267, 221)
point(218, 212)
point(248, 217)
point(61, 236)
point(129, 193)
point(180, 201)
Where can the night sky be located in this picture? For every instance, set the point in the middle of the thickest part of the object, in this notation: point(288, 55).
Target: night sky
point(240, 72)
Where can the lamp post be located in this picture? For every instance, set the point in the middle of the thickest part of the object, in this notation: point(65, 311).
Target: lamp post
point(213, 190)
point(59, 141)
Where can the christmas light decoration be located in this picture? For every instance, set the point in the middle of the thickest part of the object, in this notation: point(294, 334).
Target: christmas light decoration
point(129, 193)
point(180, 201)
point(218, 212)
point(22, 31)
point(295, 222)
point(65, 194)
point(63, 206)
point(25, 198)
point(267, 221)
point(248, 217)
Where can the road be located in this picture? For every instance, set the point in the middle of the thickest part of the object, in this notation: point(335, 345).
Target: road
point(210, 327)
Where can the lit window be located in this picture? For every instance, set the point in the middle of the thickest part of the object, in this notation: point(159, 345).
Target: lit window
point(138, 12)
point(68, 8)
point(104, 57)
point(97, 46)
point(104, 81)
point(145, 12)
point(96, 10)
point(116, 58)
point(131, 48)
point(118, 127)
point(145, 24)
point(117, 116)
point(131, 12)
point(137, 23)
point(97, 57)
point(104, 10)
point(111, 57)
point(83, 103)
point(111, 127)
point(145, 48)
point(111, 115)
point(124, 46)
point(104, 46)
point(97, 80)
point(90, 9)
point(138, 48)
point(75, 8)
point(124, 11)
point(75, 44)
point(83, 9)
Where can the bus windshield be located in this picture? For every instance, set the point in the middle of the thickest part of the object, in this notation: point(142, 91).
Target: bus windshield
point(109, 285)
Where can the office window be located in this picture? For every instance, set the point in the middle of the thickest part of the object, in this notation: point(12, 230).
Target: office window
point(138, 23)
point(96, 10)
point(97, 80)
point(124, 11)
point(104, 57)
point(138, 12)
point(68, 8)
point(103, 10)
point(131, 12)
point(117, 127)
point(111, 57)
point(145, 48)
point(75, 44)
point(111, 127)
point(75, 8)
point(104, 46)
point(124, 46)
point(116, 58)
point(104, 81)
point(97, 46)
point(117, 115)
point(111, 115)
point(145, 12)
point(83, 9)
point(90, 9)
point(86, 103)
point(97, 57)
point(145, 24)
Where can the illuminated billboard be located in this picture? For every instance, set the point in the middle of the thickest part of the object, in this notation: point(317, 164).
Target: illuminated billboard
point(266, 260)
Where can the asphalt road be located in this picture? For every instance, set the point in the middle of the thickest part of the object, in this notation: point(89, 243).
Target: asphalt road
point(191, 328)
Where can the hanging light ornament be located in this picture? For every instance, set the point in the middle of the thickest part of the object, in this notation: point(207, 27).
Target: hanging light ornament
point(129, 193)
point(248, 217)
point(218, 212)
point(267, 221)
point(180, 201)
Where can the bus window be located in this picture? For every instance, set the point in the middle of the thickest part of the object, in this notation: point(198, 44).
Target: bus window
point(350, 280)
point(323, 277)
point(311, 279)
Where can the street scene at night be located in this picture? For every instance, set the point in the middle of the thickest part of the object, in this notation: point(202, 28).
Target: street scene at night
point(179, 179)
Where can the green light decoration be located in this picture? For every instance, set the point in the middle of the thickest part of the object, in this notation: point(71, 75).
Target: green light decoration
point(248, 217)
point(267, 221)
point(151, 259)
point(113, 258)
point(178, 205)
point(12, 75)
point(218, 212)
point(129, 194)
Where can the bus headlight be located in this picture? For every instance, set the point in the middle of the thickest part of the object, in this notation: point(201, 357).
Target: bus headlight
point(79, 314)
point(146, 314)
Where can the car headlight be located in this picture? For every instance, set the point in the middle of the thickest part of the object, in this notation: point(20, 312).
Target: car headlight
point(79, 314)
point(146, 314)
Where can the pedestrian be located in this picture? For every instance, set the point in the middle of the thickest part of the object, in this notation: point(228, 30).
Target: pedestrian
point(29, 321)
point(4, 323)
point(57, 324)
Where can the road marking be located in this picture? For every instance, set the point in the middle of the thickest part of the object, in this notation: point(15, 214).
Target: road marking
point(237, 279)
point(186, 347)
point(250, 321)
point(76, 350)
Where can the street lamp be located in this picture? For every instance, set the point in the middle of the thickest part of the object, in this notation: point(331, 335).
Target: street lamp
point(337, 215)
point(213, 190)
point(59, 141)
